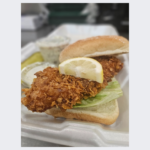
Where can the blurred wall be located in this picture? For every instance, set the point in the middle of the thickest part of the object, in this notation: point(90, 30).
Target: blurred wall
point(30, 8)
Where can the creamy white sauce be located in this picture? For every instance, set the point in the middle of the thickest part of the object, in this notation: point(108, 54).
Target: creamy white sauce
point(50, 47)
point(53, 41)
point(27, 74)
point(30, 74)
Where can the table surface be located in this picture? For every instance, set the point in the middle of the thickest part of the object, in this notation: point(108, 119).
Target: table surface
point(31, 36)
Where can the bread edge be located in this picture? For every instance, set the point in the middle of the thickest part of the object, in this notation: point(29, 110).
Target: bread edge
point(96, 46)
point(107, 120)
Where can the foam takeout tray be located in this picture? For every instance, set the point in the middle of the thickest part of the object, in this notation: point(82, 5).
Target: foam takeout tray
point(74, 132)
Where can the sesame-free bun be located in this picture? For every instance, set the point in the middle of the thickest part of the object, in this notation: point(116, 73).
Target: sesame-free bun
point(96, 46)
point(104, 114)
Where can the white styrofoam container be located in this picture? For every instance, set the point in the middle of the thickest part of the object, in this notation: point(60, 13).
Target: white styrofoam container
point(78, 32)
point(80, 133)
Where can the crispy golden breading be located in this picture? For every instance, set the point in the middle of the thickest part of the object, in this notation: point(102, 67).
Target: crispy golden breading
point(111, 66)
point(51, 89)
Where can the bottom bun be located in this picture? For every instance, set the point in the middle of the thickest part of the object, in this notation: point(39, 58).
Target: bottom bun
point(105, 114)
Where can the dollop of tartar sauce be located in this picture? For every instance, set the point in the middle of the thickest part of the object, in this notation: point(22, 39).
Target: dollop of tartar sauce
point(50, 47)
point(53, 41)
point(27, 73)
point(30, 74)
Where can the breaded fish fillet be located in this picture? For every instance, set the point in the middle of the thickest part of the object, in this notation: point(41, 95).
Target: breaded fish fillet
point(51, 89)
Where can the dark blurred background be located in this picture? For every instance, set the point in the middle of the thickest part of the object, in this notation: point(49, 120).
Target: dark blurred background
point(38, 20)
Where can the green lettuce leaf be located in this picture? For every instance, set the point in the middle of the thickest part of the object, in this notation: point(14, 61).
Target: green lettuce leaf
point(112, 91)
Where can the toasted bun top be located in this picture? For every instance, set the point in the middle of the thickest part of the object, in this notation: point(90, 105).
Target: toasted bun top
point(96, 46)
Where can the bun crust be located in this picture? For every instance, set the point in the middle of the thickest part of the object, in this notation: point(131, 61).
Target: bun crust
point(96, 46)
point(105, 114)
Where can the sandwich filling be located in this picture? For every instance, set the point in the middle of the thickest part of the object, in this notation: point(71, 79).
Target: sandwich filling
point(52, 89)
